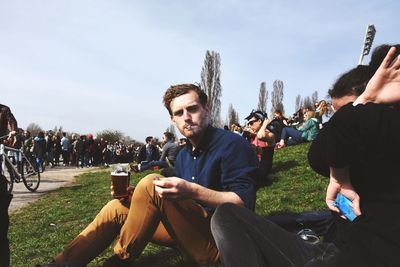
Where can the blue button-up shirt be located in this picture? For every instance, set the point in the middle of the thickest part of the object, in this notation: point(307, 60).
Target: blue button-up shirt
point(223, 161)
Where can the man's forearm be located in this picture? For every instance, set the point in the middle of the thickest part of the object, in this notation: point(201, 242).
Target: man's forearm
point(212, 198)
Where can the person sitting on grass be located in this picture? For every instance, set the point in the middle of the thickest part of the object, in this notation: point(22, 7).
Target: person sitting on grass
point(306, 133)
point(149, 151)
point(245, 239)
point(168, 154)
point(263, 143)
point(277, 124)
point(215, 167)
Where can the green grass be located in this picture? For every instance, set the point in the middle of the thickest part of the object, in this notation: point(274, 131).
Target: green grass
point(296, 187)
point(42, 229)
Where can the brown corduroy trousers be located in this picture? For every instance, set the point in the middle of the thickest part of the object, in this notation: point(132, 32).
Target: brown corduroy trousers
point(182, 224)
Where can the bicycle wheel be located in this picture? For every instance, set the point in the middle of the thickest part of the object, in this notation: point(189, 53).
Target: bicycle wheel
point(8, 175)
point(30, 175)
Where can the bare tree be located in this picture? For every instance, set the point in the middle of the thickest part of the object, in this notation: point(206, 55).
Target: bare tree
point(211, 84)
point(298, 103)
point(314, 97)
point(277, 97)
point(233, 116)
point(58, 130)
point(111, 136)
point(171, 129)
point(262, 98)
point(34, 128)
point(307, 103)
point(126, 139)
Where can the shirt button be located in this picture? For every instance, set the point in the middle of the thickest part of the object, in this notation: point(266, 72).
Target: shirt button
point(193, 178)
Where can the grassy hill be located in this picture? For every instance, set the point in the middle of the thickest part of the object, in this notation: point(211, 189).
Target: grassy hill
point(42, 229)
point(296, 187)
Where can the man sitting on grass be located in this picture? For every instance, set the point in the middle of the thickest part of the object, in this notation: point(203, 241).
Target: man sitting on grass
point(168, 154)
point(215, 167)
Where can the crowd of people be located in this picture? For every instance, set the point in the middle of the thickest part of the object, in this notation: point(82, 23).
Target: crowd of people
point(55, 149)
point(50, 149)
point(206, 209)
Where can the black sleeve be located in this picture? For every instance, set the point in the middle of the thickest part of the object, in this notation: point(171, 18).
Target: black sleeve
point(317, 154)
point(342, 137)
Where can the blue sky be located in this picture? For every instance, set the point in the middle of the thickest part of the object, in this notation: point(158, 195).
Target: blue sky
point(95, 65)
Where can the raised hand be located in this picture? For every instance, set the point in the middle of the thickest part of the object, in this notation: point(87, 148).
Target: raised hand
point(384, 86)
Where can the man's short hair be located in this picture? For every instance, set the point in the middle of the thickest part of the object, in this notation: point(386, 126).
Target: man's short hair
point(148, 139)
point(169, 136)
point(180, 89)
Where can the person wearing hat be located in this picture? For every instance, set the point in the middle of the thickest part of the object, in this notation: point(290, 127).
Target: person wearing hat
point(263, 142)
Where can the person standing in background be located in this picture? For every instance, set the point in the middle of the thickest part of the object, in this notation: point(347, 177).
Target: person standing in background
point(65, 148)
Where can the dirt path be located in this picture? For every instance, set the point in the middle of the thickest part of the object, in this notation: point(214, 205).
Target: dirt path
point(51, 180)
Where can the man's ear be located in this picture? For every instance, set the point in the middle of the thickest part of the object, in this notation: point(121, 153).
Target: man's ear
point(172, 120)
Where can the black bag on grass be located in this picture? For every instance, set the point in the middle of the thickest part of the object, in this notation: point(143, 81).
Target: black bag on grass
point(318, 221)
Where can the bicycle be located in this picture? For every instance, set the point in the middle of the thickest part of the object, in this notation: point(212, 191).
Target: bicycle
point(23, 170)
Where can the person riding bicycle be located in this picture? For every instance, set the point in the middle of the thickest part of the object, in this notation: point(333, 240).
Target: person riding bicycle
point(8, 123)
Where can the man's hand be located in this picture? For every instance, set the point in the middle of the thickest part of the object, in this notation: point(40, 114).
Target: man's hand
point(264, 134)
point(384, 86)
point(11, 134)
point(174, 188)
point(130, 190)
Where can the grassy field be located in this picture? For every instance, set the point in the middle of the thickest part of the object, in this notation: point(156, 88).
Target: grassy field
point(42, 229)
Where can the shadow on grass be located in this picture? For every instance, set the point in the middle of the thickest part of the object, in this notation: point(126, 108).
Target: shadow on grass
point(284, 165)
point(167, 258)
point(281, 166)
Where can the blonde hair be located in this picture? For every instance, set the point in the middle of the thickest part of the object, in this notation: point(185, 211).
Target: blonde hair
point(323, 107)
point(236, 127)
point(310, 114)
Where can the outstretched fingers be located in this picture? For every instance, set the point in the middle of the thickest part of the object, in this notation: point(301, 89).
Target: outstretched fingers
point(388, 58)
point(396, 63)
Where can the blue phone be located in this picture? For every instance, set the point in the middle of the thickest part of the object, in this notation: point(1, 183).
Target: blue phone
point(344, 205)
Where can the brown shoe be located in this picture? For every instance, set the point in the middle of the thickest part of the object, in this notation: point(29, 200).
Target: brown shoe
point(115, 261)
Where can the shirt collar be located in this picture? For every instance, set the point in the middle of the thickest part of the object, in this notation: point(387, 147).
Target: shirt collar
point(204, 143)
